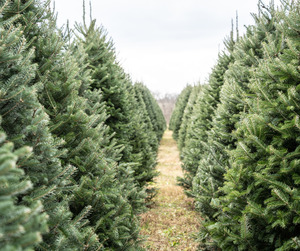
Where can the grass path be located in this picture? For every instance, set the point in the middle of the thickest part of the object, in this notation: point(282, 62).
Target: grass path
point(171, 222)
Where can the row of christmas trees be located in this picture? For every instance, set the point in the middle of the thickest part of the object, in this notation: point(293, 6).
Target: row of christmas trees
point(239, 137)
point(78, 140)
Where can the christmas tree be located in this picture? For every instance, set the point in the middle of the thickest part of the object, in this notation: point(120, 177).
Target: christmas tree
point(26, 123)
point(177, 114)
point(263, 207)
point(186, 118)
point(208, 184)
point(20, 226)
point(154, 112)
point(125, 117)
point(107, 199)
point(89, 177)
point(201, 118)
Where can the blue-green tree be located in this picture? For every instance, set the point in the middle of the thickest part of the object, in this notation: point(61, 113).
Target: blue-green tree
point(177, 114)
point(21, 226)
point(26, 123)
point(263, 205)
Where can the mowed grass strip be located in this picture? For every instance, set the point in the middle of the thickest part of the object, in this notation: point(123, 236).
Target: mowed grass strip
point(171, 223)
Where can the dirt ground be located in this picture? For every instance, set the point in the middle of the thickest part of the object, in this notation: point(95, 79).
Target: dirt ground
point(171, 223)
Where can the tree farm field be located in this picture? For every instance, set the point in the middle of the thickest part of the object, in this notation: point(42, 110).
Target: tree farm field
point(171, 223)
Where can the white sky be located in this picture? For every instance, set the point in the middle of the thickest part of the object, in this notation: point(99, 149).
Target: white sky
point(166, 44)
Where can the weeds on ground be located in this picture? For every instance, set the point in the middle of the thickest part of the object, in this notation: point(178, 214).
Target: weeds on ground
point(171, 223)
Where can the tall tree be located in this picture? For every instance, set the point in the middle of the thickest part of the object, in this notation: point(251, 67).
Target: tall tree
point(207, 101)
point(248, 52)
point(264, 203)
point(26, 123)
point(186, 118)
point(154, 112)
point(107, 200)
point(125, 120)
point(177, 115)
point(147, 143)
point(20, 226)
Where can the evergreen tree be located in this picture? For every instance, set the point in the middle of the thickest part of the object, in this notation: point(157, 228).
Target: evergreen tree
point(202, 175)
point(20, 226)
point(107, 200)
point(177, 114)
point(185, 133)
point(147, 142)
point(191, 149)
point(263, 207)
point(141, 140)
point(208, 183)
point(186, 119)
point(109, 77)
point(208, 99)
point(26, 124)
point(124, 119)
point(154, 112)
point(139, 89)
point(151, 149)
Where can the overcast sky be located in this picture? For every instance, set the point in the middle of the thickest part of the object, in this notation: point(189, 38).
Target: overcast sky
point(166, 44)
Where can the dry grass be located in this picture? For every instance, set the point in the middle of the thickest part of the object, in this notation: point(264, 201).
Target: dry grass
point(171, 223)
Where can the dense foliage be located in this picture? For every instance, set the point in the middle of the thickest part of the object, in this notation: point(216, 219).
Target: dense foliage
point(86, 137)
point(241, 149)
point(177, 115)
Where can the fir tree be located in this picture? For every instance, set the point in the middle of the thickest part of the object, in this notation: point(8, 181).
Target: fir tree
point(20, 226)
point(107, 199)
point(186, 119)
point(197, 134)
point(247, 54)
point(154, 112)
point(145, 138)
point(263, 207)
point(108, 77)
point(191, 149)
point(26, 123)
point(177, 114)
point(200, 150)
point(151, 149)
point(124, 118)
point(139, 90)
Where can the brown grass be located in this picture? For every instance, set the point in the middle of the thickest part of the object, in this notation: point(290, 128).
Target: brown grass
point(171, 223)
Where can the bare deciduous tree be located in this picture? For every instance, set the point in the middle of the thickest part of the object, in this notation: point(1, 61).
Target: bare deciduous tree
point(166, 102)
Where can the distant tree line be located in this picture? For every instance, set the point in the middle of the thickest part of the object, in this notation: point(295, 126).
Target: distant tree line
point(166, 103)
point(239, 137)
point(78, 140)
